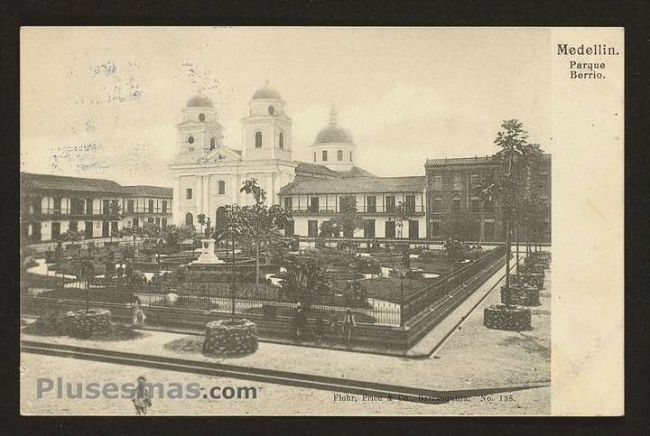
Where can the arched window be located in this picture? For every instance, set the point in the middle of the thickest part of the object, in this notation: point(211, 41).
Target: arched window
point(350, 156)
point(339, 155)
point(324, 157)
point(213, 143)
point(258, 140)
point(189, 219)
point(221, 187)
point(190, 139)
point(281, 140)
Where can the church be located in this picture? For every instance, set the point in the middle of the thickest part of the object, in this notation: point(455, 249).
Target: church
point(207, 175)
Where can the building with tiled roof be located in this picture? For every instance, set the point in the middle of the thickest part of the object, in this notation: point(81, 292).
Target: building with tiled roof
point(52, 205)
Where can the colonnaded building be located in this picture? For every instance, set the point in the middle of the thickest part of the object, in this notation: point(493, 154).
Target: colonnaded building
point(207, 176)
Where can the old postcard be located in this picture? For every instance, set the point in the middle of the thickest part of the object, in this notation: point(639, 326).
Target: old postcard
point(321, 221)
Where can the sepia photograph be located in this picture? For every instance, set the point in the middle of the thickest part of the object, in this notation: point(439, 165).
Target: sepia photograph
point(334, 221)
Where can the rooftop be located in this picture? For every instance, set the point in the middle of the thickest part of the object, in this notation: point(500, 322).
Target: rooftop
point(356, 185)
point(83, 184)
point(467, 160)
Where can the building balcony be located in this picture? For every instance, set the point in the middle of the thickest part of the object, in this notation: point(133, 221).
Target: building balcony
point(378, 212)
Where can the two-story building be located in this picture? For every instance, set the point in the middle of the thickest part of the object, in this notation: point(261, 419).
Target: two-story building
point(51, 205)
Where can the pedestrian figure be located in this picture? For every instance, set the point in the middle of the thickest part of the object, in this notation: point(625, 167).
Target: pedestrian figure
point(141, 398)
point(299, 322)
point(348, 326)
point(139, 318)
point(320, 328)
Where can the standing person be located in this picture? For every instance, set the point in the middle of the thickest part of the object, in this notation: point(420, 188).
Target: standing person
point(348, 325)
point(141, 398)
point(298, 322)
point(139, 318)
point(320, 328)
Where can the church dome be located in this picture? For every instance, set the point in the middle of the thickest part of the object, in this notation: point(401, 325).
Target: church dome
point(199, 101)
point(266, 92)
point(333, 132)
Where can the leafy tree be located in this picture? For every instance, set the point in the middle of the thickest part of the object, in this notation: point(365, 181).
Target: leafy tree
point(260, 225)
point(305, 281)
point(349, 219)
point(461, 226)
point(516, 158)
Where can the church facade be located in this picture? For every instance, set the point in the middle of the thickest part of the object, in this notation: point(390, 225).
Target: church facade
point(207, 175)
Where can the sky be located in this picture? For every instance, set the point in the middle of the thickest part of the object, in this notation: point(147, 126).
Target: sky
point(104, 102)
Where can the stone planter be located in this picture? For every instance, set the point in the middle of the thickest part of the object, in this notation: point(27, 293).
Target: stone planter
point(532, 279)
point(502, 317)
point(520, 296)
point(230, 337)
point(82, 324)
point(525, 280)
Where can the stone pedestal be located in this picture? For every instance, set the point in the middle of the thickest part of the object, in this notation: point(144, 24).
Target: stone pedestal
point(230, 337)
point(502, 317)
point(520, 296)
point(82, 324)
point(207, 256)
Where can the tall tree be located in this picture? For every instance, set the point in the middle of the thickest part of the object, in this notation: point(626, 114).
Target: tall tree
point(263, 225)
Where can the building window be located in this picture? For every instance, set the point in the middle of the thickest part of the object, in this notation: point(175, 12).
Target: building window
point(56, 231)
point(435, 227)
point(164, 206)
point(474, 180)
point(371, 204)
point(313, 204)
point(281, 140)
point(350, 156)
point(488, 205)
point(414, 229)
point(221, 188)
point(390, 229)
point(437, 183)
point(339, 155)
point(324, 156)
point(158, 222)
point(189, 219)
point(188, 194)
point(288, 204)
point(150, 206)
point(74, 226)
point(368, 229)
point(437, 205)
point(476, 205)
point(390, 204)
point(106, 207)
point(314, 156)
point(312, 228)
point(213, 143)
point(458, 185)
point(258, 139)
point(409, 204)
point(455, 207)
point(164, 223)
point(129, 206)
point(190, 139)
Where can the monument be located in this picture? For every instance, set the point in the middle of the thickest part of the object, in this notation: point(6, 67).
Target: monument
point(207, 256)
